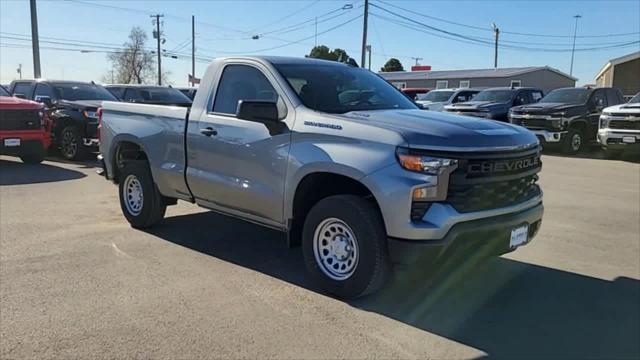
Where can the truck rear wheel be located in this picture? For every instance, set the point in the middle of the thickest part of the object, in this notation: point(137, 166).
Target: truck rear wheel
point(344, 244)
point(141, 202)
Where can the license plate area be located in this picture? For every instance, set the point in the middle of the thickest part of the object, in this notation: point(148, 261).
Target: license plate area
point(629, 139)
point(11, 142)
point(519, 236)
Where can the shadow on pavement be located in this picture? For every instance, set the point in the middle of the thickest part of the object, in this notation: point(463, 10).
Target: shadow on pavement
point(502, 307)
point(89, 162)
point(18, 173)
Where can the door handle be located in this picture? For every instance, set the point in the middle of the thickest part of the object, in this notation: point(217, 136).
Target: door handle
point(209, 131)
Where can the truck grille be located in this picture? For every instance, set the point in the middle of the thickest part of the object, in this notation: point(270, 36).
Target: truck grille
point(534, 123)
point(485, 181)
point(625, 125)
point(11, 119)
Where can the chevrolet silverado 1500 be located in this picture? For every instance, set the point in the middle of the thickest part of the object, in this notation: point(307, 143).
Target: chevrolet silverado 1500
point(335, 157)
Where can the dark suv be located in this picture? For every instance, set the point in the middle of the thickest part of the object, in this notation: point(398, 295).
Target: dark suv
point(149, 94)
point(72, 107)
point(567, 117)
point(494, 103)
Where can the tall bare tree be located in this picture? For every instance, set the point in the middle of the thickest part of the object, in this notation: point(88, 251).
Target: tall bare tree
point(134, 64)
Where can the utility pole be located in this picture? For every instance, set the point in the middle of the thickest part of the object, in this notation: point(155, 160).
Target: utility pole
point(20, 70)
point(417, 59)
point(35, 43)
point(496, 33)
point(573, 50)
point(158, 36)
point(193, 51)
point(364, 33)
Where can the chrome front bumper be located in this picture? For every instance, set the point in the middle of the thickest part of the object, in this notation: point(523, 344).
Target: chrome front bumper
point(606, 135)
point(549, 136)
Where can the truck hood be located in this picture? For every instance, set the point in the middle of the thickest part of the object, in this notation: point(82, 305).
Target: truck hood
point(476, 105)
point(546, 108)
point(14, 103)
point(80, 104)
point(629, 108)
point(442, 131)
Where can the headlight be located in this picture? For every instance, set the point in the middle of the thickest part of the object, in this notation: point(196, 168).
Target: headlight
point(90, 114)
point(425, 164)
point(604, 121)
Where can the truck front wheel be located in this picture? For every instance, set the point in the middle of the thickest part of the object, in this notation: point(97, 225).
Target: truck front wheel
point(344, 244)
point(574, 142)
point(141, 202)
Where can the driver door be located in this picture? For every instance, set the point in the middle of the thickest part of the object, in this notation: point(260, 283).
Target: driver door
point(239, 166)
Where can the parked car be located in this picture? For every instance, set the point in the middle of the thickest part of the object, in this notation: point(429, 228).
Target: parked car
point(25, 129)
point(567, 117)
point(494, 103)
point(361, 184)
point(149, 94)
point(436, 100)
point(189, 92)
point(619, 129)
point(72, 106)
point(413, 93)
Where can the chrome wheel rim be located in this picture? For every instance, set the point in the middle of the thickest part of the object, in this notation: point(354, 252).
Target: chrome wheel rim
point(336, 249)
point(133, 195)
point(576, 142)
point(69, 144)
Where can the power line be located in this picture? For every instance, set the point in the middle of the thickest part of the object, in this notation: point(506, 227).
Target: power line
point(503, 32)
point(286, 17)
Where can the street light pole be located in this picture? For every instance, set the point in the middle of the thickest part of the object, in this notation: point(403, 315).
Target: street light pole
point(573, 49)
point(364, 33)
point(496, 32)
point(158, 36)
point(35, 43)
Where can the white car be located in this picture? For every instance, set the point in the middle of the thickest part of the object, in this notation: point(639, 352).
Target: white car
point(619, 128)
point(436, 100)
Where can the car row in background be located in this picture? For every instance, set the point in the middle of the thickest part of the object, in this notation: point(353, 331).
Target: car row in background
point(25, 129)
point(619, 128)
point(495, 103)
point(566, 117)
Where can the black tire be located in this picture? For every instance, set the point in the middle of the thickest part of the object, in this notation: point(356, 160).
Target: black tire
point(372, 264)
point(70, 143)
point(35, 155)
point(152, 207)
point(574, 143)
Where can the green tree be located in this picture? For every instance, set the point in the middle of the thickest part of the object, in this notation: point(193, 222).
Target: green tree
point(392, 65)
point(323, 52)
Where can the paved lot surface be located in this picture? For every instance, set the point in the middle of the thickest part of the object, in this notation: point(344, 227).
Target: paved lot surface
point(77, 282)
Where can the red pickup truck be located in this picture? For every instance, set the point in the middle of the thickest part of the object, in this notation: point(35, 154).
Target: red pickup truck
point(25, 129)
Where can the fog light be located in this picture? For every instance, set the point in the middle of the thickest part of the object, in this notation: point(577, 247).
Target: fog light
point(424, 193)
point(556, 136)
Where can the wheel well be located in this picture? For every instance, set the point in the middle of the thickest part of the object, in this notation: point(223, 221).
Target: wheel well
point(126, 150)
point(315, 187)
point(581, 125)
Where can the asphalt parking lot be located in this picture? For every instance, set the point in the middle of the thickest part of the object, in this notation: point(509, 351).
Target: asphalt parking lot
point(77, 282)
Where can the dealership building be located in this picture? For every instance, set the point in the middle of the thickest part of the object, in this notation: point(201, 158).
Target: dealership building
point(622, 73)
point(543, 77)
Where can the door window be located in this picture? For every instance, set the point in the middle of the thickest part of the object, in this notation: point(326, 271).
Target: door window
point(463, 96)
point(131, 95)
point(612, 97)
point(42, 90)
point(522, 98)
point(116, 91)
point(22, 88)
point(536, 95)
point(241, 82)
point(599, 100)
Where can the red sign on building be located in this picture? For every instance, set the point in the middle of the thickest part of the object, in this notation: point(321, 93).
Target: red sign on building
point(421, 68)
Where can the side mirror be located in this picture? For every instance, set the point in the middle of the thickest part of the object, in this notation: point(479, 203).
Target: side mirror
point(19, 96)
point(44, 99)
point(259, 111)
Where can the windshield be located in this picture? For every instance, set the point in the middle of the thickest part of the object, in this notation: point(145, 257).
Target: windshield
point(80, 91)
point(160, 94)
point(436, 96)
point(635, 99)
point(567, 96)
point(3, 91)
point(341, 89)
point(494, 95)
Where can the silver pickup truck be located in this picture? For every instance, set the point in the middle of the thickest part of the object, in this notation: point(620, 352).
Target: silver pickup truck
point(335, 157)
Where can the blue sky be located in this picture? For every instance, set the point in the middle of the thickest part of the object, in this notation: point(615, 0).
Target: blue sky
point(224, 27)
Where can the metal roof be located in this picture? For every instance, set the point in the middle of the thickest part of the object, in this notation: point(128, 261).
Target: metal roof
point(467, 74)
